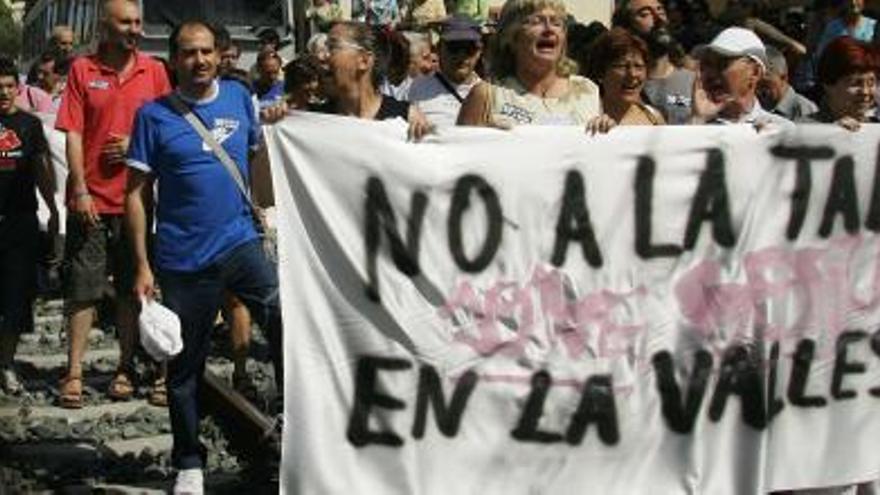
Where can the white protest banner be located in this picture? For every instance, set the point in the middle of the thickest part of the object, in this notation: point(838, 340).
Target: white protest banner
point(659, 310)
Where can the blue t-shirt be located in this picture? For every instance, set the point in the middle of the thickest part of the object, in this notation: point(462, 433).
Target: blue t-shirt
point(271, 97)
point(864, 31)
point(201, 214)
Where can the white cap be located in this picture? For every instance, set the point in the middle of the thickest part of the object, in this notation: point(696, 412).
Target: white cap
point(160, 330)
point(739, 42)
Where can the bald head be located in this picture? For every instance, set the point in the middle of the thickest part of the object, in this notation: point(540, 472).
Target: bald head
point(62, 40)
point(121, 23)
point(113, 5)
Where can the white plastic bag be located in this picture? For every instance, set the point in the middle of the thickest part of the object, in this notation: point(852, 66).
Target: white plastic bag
point(160, 330)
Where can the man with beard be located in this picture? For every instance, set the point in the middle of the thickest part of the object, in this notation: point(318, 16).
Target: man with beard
point(668, 88)
point(206, 241)
point(103, 92)
point(439, 95)
point(61, 42)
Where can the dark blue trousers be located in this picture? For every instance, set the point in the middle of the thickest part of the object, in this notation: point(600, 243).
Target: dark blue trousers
point(196, 297)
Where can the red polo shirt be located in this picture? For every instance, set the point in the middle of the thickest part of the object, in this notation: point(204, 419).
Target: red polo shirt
point(98, 102)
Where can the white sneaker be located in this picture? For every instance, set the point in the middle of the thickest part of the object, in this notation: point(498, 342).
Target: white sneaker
point(9, 382)
point(189, 482)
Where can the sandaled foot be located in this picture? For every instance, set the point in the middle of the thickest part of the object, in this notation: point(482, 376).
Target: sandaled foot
point(71, 392)
point(158, 394)
point(121, 387)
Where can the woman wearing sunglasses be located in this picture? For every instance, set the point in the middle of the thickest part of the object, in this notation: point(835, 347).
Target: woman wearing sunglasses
point(351, 76)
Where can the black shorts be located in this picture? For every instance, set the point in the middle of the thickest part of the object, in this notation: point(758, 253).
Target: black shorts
point(18, 273)
point(98, 261)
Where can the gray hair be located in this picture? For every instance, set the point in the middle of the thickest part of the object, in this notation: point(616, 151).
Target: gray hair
point(418, 43)
point(512, 14)
point(776, 63)
point(316, 42)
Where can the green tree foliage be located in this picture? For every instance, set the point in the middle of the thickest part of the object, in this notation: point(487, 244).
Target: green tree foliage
point(10, 32)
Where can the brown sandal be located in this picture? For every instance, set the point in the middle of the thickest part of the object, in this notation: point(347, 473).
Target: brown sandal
point(158, 394)
point(71, 392)
point(120, 387)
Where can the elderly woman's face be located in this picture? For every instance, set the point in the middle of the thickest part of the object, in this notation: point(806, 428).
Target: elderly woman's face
point(852, 95)
point(541, 38)
point(625, 78)
point(346, 62)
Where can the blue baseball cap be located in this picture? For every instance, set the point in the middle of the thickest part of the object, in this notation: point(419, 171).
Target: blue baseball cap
point(460, 28)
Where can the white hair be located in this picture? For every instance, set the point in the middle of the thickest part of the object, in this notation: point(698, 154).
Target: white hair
point(316, 42)
point(776, 61)
point(418, 43)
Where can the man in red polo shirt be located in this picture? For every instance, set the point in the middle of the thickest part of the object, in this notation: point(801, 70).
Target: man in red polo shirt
point(103, 92)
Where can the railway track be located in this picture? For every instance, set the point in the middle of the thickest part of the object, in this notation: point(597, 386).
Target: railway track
point(124, 447)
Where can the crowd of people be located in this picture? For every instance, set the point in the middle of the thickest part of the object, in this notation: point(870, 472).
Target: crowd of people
point(191, 123)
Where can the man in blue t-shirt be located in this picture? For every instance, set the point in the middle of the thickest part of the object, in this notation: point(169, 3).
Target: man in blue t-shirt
point(206, 242)
point(269, 85)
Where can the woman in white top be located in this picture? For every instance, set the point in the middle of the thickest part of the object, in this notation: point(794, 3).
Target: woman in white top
point(534, 81)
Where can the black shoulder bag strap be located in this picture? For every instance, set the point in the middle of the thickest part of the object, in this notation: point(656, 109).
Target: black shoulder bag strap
point(449, 87)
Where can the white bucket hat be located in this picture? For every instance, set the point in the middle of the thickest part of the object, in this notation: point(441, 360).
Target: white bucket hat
point(160, 330)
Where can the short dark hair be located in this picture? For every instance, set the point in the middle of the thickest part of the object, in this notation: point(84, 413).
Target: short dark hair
point(174, 41)
point(47, 57)
point(269, 35)
point(61, 65)
point(8, 68)
point(269, 54)
point(610, 47)
point(303, 70)
point(43, 58)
